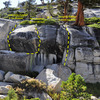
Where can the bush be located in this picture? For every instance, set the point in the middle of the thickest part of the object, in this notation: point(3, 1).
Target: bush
point(74, 88)
point(25, 22)
point(94, 25)
point(92, 20)
point(32, 85)
point(51, 22)
point(40, 22)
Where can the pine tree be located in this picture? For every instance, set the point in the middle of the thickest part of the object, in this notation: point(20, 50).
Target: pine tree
point(29, 6)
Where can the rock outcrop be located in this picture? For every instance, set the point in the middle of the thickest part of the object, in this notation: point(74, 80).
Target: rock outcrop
point(48, 76)
point(83, 57)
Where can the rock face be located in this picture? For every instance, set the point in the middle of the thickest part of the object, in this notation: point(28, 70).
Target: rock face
point(14, 62)
point(48, 76)
point(4, 30)
point(60, 71)
point(84, 54)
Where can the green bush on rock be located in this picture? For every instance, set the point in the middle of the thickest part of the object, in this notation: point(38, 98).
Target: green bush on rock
point(74, 88)
point(40, 22)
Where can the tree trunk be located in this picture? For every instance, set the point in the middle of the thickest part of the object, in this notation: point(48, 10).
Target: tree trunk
point(65, 8)
point(80, 15)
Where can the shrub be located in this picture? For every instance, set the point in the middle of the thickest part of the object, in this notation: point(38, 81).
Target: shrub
point(51, 22)
point(94, 25)
point(40, 22)
point(32, 85)
point(12, 95)
point(74, 88)
point(25, 22)
point(92, 20)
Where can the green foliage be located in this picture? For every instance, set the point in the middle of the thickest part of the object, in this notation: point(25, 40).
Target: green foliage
point(51, 22)
point(40, 22)
point(50, 9)
point(25, 22)
point(13, 9)
point(30, 7)
point(94, 25)
point(33, 85)
point(74, 88)
point(92, 20)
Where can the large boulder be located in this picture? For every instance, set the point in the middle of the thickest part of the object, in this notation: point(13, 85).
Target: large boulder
point(80, 37)
point(14, 62)
point(48, 76)
point(4, 30)
point(61, 71)
point(16, 78)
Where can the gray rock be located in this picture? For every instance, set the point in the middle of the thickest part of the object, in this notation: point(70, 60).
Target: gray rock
point(93, 98)
point(48, 76)
point(84, 69)
point(24, 39)
point(79, 37)
point(6, 84)
point(4, 30)
point(10, 77)
point(62, 36)
point(70, 58)
point(60, 71)
point(96, 53)
point(97, 69)
point(4, 90)
point(96, 60)
point(14, 62)
point(7, 76)
point(1, 75)
point(38, 68)
point(17, 78)
point(42, 96)
point(3, 96)
point(84, 54)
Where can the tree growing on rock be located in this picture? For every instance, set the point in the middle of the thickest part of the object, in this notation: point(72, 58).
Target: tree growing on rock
point(30, 7)
point(65, 3)
point(80, 14)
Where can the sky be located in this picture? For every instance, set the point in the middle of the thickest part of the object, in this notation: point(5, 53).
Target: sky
point(15, 2)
